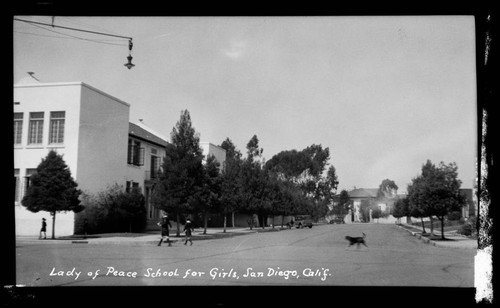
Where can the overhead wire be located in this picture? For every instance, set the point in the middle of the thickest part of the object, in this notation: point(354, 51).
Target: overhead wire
point(72, 21)
point(74, 29)
point(69, 36)
point(44, 26)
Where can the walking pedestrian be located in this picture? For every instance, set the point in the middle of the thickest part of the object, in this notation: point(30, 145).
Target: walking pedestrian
point(43, 230)
point(165, 225)
point(85, 228)
point(188, 228)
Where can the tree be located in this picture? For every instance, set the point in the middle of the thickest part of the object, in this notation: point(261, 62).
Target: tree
point(401, 208)
point(231, 190)
point(207, 195)
point(305, 171)
point(436, 192)
point(253, 149)
point(52, 189)
point(444, 192)
point(387, 189)
point(343, 205)
point(182, 170)
point(115, 210)
point(253, 182)
point(416, 201)
point(231, 152)
point(376, 211)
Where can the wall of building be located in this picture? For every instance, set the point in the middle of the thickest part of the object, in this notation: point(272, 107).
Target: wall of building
point(211, 149)
point(94, 147)
point(45, 98)
point(102, 143)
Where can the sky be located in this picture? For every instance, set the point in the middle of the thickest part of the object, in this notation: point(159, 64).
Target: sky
point(383, 93)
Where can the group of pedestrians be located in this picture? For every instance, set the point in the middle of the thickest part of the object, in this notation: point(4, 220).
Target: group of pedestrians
point(165, 230)
point(164, 224)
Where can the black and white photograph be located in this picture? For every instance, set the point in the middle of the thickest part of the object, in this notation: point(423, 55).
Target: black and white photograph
point(247, 151)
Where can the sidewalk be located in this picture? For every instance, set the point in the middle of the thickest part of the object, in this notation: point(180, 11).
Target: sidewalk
point(137, 239)
point(453, 240)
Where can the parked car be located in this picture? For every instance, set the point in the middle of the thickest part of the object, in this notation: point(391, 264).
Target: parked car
point(302, 221)
point(338, 220)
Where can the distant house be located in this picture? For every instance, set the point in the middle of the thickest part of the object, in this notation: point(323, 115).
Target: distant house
point(357, 195)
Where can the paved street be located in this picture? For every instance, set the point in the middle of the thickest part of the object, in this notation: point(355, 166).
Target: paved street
point(316, 256)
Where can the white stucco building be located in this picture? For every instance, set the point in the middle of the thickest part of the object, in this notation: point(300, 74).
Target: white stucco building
point(84, 124)
point(210, 149)
point(91, 129)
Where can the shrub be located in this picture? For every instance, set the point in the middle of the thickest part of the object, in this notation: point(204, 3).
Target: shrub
point(113, 210)
point(465, 230)
point(455, 215)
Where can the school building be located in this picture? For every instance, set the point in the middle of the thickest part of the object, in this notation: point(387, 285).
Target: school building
point(91, 129)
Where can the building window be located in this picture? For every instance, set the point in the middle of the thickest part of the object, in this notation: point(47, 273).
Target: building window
point(155, 166)
point(56, 134)
point(135, 153)
point(27, 179)
point(16, 185)
point(35, 128)
point(18, 127)
point(130, 186)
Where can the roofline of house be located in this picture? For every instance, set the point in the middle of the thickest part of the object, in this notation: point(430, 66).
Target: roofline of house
point(75, 83)
point(145, 139)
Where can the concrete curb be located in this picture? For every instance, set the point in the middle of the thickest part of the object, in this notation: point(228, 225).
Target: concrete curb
point(431, 242)
point(147, 240)
point(150, 239)
point(419, 236)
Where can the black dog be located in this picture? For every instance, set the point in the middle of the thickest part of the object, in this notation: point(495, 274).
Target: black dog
point(356, 240)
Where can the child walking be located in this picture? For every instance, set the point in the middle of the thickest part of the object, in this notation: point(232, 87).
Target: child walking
point(188, 227)
point(43, 230)
point(165, 225)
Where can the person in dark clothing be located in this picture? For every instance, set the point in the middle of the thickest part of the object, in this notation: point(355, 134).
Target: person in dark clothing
point(165, 225)
point(188, 228)
point(43, 230)
point(85, 228)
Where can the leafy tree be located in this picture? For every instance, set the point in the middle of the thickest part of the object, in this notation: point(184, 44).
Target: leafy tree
point(52, 189)
point(115, 210)
point(376, 212)
point(253, 149)
point(182, 171)
point(305, 171)
point(416, 201)
point(289, 165)
point(231, 190)
point(253, 181)
point(231, 152)
point(401, 208)
point(437, 191)
point(207, 195)
point(343, 204)
point(387, 189)
point(444, 192)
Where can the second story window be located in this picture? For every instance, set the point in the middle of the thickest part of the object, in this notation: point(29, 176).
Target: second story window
point(35, 135)
point(135, 153)
point(56, 134)
point(18, 127)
